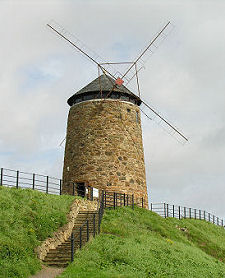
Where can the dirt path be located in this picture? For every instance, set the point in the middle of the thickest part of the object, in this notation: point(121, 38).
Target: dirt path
point(48, 272)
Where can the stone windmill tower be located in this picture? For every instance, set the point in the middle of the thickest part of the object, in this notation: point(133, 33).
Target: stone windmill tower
point(104, 140)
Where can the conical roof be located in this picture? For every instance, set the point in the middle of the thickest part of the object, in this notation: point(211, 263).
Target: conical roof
point(104, 83)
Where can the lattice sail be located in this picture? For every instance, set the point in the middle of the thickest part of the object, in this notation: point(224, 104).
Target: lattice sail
point(83, 48)
point(154, 115)
point(147, 52)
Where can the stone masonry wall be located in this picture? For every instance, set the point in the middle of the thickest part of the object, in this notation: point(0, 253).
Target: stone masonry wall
point(104, 147)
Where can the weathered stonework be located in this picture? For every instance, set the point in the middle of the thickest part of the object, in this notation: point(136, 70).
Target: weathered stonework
point(104, 147)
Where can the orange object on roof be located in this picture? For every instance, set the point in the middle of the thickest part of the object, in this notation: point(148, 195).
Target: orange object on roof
point(119, 81)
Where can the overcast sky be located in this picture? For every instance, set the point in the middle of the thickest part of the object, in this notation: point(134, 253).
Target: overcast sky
point(184, 80)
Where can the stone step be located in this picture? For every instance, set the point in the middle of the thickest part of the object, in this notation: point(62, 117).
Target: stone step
point(61, 256)
point(58, 264)
point(58, 259)
point(64, 248)
point(57, 255)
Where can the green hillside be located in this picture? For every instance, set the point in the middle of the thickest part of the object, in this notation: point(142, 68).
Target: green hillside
point(138, 243)
point(133, 243)
point(26, 218)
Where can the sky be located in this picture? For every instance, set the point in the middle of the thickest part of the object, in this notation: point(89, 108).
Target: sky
point(183, 80)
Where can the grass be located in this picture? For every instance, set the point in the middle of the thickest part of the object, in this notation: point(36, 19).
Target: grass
point(138, 243)
point(26, 218)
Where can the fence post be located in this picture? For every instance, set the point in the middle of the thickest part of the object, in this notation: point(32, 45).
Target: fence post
point(184, 212)
point(94, 225)
point(87, 230)
point(104, 198)
point(80, 237)
point(72, 247)
point(1, 179)
point(209, 217)
point(17, 179)
point(190, 213)
point(204, 214)
point(114, 200)
point(142, 202)
point(164, 204)
point(173, 212)
point(217, 220)
point(33, 185)
point(195, 213)
point(47, 184)
point(99, 220)
point(132, 201)
point(124, 199)
point(60, 187)
point(167, 210)
point(179, 211)
point(151, 206)
point(200, 214)
point(213, 219)
point(127, 200)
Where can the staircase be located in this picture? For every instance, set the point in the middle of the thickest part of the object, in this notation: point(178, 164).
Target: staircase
point(86, 226)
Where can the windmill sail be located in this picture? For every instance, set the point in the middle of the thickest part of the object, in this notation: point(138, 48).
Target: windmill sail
point(152, 114)
point(83, 48)
point(147, 52)
point(133, 69)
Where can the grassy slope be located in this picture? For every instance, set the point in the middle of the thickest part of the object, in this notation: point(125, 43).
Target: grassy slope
point(26, 218)
point(139, 243)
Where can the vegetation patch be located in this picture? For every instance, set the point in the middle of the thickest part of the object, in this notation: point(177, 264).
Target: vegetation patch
point(27, 217)
point(139, 243)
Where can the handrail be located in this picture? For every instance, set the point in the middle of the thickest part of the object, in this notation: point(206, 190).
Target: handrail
point(85, 224)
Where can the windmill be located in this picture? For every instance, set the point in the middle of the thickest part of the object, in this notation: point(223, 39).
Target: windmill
point(108, 95)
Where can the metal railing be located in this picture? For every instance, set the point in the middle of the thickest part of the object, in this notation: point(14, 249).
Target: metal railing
point(20, 179)
point(90, 227)
point(114, 200)
point(166, 210)
point(109, 200)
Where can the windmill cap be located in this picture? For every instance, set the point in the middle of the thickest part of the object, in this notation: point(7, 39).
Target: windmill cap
point(103, 83)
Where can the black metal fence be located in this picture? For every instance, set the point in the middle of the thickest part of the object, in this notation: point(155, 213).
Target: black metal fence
point(52, 185)
point(19, 179)
point(91, 226)
point(111, 199)
point(166, 210)
point(114, 200)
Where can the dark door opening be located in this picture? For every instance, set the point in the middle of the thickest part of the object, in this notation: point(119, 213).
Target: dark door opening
point(81, 189)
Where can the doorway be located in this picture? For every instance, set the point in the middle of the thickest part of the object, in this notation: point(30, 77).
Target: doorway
point(80, 189)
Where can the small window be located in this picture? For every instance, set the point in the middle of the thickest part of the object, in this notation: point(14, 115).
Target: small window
point(114, 95)
point(132, 100)
point(86, 97)
point(124, 98)
point(79, 99)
